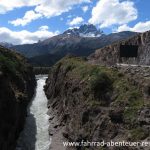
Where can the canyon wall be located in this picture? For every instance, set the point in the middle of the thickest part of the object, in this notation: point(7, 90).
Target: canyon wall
point(17, 83)
point(110, 55)
point(95, 103)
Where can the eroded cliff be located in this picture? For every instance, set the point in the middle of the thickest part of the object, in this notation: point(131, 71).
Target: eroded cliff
point(110, 55)
point(95, 103)
point(17, 83)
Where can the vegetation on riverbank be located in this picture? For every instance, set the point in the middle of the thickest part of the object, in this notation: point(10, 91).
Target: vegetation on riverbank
point(96, 102)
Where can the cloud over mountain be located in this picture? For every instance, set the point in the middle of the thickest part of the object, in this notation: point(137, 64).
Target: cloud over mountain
point(76, 21)
point(139, 27)
point(113, 12)
point(24, 36)
point(28, 17)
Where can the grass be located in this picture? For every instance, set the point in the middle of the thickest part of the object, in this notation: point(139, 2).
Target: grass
point(131, 96)
point(94, 103)
point(100, 84)
point(103, 81)
point(103, 88)
point(138, 134)
point(11, 63)
point(7, 65)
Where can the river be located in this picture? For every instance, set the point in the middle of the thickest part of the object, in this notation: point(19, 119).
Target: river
point(35, 134)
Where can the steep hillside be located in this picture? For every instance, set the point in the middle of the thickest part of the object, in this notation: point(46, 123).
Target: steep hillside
point(17, 84)
point(44, 60)
point(7, 45)
point(95, 103)
point(110, 55)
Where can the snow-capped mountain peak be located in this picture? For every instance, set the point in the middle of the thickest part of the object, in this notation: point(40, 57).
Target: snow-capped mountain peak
point(86, 30)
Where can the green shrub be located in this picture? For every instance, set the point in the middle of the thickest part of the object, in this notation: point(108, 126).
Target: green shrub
point(138, 134)
point(7, 65)
point(101, 84)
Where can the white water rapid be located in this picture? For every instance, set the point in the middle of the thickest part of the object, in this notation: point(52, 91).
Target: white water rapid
point(35, 134)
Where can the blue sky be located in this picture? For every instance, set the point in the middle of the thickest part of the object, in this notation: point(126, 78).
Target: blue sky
point(29, 21)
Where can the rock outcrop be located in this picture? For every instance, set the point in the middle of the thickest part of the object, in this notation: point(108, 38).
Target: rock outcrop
point(96, 103)
point(110, 55)
point(17, 83)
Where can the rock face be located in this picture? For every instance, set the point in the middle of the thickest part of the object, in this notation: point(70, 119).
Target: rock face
point(17, 84)
point(110, 55)
point(95, 103)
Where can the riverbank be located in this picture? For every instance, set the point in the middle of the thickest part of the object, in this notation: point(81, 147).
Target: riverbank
point(35, 134)
point(17, 84)
point(94, 103)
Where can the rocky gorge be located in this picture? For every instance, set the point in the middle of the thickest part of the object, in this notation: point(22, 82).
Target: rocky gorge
point(17, 83)
point(94, 103)
point(110, 55)
point(105, 97)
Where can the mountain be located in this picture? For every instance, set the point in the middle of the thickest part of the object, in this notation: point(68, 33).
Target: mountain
point(86, 30)
point(17, 83)
point(44, 60)
point(65, 43)
point(7, 45)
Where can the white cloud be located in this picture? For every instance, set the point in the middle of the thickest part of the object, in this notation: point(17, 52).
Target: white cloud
point(139, 27)
point(56, 8)
point(124, 27)
point(69, 16)
point(43, 28)
point(28, 17)
point(45, 8)
point(112, 12)
point(73, 27)
point(24, 36)
point(76, 21)
point(8, 5)
point(85, 8)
